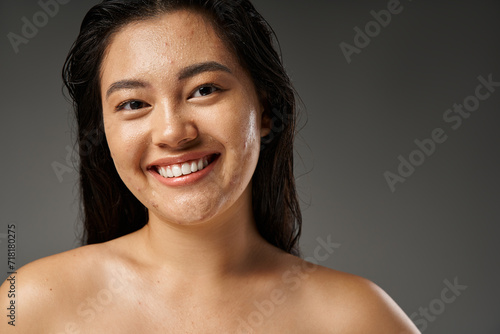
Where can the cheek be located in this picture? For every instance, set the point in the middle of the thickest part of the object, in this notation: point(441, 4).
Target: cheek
point(252, 135)
point(247, 133)
point(237, 126)
point(243, 144)
point(125, 141)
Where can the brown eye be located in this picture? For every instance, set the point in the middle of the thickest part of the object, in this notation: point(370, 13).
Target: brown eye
point(132, 105)
point(205, 91)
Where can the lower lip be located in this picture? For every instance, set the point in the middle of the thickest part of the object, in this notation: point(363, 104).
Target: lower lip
point(185, 179)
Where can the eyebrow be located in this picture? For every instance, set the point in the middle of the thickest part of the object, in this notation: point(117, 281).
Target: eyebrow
point(210, 66)
point(185, 73)
point(125, 84)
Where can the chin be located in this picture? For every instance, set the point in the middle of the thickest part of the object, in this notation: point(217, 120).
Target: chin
point(192, 214)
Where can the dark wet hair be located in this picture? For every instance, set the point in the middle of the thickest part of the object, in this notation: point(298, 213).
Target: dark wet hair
point(109, 210)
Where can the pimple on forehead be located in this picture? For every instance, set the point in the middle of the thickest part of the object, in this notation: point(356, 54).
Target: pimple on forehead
point(159, 47)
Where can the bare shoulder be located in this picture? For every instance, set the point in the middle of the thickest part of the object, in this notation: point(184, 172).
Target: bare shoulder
point(47, 285)
point(338, 302)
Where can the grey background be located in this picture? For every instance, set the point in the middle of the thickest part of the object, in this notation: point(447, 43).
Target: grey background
point(440, 224)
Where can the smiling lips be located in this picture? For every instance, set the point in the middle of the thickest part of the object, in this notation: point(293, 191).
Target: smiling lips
point(185, 168)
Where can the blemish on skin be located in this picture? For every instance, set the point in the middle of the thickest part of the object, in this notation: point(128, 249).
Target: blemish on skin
point(50, 289)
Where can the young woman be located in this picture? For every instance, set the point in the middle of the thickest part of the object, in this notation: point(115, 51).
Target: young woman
point(185, 129)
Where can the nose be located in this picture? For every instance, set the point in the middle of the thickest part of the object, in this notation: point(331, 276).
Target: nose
point(172, 127)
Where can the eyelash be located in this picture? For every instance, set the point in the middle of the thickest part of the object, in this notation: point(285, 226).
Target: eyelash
point(208, 85)
point(122, 105)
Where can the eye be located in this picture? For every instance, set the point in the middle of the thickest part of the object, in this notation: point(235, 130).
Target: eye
point(132, 105)
point(205, 90)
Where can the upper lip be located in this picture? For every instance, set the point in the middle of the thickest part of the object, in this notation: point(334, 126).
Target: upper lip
point(180, 159)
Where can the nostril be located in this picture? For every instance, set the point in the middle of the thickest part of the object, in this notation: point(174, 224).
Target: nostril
point(184, 141)
point(173, 132)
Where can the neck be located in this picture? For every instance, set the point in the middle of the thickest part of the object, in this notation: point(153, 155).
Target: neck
point(213, 250)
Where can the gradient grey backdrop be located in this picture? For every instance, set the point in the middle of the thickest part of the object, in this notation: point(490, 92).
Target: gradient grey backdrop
point(442, 223)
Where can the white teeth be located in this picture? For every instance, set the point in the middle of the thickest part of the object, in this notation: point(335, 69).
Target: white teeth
point(194, 167)
point(184, 169)
point(169, 172)
point(176, 170)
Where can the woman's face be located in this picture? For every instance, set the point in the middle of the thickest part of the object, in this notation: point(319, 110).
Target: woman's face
point(182, 118)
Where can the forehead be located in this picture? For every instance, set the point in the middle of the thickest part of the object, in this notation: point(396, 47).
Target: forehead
point(162, 45)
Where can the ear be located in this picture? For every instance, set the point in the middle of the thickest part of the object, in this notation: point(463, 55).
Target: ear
point(265, 123)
